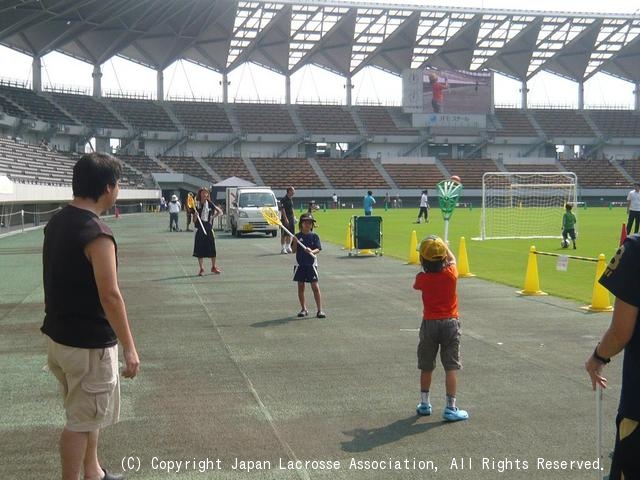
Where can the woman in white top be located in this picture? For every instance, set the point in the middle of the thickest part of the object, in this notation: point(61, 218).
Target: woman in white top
point(424, 207)
point(633, 209)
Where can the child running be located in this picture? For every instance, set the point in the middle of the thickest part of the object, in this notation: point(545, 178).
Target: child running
point(568, 226)
point(307, 269)
point(440, 327)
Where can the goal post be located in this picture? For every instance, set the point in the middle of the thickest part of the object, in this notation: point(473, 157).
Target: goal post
point(525, 204)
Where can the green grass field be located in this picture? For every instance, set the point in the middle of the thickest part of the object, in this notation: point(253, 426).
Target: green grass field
point(502, 261)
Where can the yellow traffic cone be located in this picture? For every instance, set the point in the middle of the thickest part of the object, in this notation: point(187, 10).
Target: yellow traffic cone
point(414, 257)
point(463, 260)
point(348, 241)
point(531, 281)
point(600, 300)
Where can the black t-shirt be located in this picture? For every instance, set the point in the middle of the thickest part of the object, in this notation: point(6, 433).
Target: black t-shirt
point(287, 205)
point(622, 278)
point(73, 313)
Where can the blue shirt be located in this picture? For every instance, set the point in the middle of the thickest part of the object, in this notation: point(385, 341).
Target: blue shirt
point(311, 241)
point(368, 203)
point(622, 278)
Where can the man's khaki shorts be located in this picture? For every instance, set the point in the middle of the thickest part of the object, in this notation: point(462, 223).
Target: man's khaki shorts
point(90, 384)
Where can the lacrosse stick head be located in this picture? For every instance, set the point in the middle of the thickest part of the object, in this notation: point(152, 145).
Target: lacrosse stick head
point(191, 202)
point(270, 215)
point(448, 193)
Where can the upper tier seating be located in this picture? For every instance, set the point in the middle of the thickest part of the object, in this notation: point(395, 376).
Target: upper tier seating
point(561, 122)
point(202, 116)
point(330, 119)
point(87, 109)
point(40, 107)
point(143, 114)
point(616, 123)
point(11, 109)
point(283, 172)
point(378, 121)
point(514, 123)
point(264, 118)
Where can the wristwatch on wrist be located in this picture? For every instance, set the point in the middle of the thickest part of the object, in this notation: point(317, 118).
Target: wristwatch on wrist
point(598, 357)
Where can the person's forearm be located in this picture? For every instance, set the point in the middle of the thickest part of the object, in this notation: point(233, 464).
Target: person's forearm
point(116, 313)
point(611, 344)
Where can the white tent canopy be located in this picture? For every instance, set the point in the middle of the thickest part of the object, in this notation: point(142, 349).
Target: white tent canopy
point(234, 182)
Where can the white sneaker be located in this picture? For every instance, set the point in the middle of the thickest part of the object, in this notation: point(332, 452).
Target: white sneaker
point(284, 251)
point(289, 249)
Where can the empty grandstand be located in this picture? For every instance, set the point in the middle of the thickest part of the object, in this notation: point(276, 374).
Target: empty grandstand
point(320, 147)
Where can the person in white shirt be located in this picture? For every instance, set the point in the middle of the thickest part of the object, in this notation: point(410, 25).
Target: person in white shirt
point(174, 210)
point(633, 208)
point(424, 207)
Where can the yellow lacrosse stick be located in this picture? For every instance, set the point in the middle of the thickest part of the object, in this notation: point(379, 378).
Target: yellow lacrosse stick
point(191, 203)
point(272, 218)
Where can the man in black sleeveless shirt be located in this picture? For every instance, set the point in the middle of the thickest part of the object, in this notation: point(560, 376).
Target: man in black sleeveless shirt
point(85, 315)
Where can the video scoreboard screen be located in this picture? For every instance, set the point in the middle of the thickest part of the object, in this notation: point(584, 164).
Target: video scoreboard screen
point(444, 92)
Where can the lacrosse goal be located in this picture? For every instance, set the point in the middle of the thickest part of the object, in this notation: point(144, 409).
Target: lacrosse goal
point(525, 204)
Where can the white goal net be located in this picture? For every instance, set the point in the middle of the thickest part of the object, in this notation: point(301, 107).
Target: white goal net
point(525, 204)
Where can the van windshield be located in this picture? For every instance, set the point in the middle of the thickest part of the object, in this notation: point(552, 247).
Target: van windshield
point(257, 199)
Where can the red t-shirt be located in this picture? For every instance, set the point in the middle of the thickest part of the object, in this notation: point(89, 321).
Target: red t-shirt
point(438, 91)
point(439, 297)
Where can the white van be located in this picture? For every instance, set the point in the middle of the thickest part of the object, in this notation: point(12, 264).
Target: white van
point(243, 210)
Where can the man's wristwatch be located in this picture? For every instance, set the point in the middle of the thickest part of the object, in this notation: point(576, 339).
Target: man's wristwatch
point(598, 357)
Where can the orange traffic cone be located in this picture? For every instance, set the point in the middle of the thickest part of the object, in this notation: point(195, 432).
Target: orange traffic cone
point(623, 234)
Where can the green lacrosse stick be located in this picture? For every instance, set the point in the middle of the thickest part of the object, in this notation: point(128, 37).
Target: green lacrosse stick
point(448, 193)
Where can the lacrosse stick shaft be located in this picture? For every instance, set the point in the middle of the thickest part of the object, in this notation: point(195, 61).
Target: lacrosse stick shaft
point(297, 239)
point(275, 219)
point(200, 222)
point(446, 231)
point(599, 428)
point(191, 204)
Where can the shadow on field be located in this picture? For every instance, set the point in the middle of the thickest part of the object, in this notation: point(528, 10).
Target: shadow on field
point(365, 439)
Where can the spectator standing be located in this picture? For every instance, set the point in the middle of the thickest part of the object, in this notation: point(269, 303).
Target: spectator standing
point(622, 278)
point(85, 315)
point(174, 212)
point(368, 202)
point(633, 209)
point(288, 218)
point(424, 207)
point(204, 242)
point(190, 211)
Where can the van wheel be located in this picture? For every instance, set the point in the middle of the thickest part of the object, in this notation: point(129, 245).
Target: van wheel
point(274, 233)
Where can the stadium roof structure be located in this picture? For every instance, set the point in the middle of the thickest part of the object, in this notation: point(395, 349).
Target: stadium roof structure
point(342, 37)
